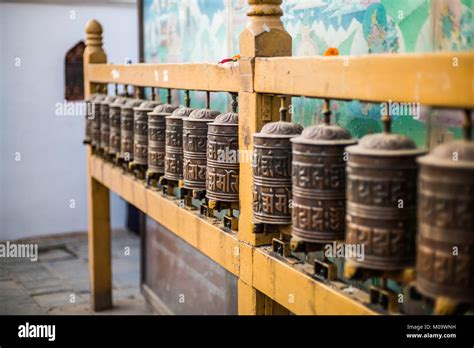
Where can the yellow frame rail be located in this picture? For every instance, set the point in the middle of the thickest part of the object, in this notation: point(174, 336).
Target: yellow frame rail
point(275, 278)
point(202, 234)
point(192, 76)
point(267, 284)
point(435, 79)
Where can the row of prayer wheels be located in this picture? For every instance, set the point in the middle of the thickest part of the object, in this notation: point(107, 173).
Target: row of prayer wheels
point(170, 144)
point(407, 208)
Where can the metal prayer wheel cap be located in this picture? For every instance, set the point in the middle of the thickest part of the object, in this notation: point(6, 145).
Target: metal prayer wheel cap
point(147, 105)
point(325, 134)
point(132, 103)
point(98, 96)
point(118, 102)
point(163, 110)
point(279, 129)
point(385, 144)
point(456, 154)
point(95, 96)
point(181, 112)
point(204, 115)
point(108, 100)
point(230, 119)
point(96, 99)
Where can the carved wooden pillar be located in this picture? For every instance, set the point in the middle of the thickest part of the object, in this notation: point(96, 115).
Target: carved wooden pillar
point(100, 264)
point(264, 36)
point(94, 53)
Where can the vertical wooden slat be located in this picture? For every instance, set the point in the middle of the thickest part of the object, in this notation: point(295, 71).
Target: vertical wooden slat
point(264, 36)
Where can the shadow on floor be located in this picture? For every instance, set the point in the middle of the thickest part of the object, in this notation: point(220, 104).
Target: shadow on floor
point(58, 282)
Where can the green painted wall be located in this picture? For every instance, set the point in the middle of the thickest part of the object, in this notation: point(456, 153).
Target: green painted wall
point(208, 30)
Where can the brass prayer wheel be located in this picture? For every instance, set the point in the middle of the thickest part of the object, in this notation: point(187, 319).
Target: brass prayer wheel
point(222, 178)
point(95, 121)
point(140, 131)
point(90, 115)
point(381, 199)
point(126, 129)
point(445, 241)
point(195, 147)
point(104, 123)
point(156, 136)
point(272, 170)
point(115, 110)
point(319, 182)
point(174, 141)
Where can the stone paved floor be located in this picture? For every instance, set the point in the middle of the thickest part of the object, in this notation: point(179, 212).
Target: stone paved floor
point(58, 283)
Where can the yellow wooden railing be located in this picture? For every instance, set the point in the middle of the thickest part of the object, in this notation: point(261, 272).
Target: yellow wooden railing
point(267, 284)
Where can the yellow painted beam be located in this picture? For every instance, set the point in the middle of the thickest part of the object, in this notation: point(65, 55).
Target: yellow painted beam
point(191, 76)
point(201, 233)
point(301, 294)
point(437, 79)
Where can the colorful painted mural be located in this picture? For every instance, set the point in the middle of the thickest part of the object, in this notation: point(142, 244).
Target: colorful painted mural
point(208, 30)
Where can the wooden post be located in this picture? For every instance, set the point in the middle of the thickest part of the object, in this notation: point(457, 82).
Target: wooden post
point(253, 302)
point(250, 301)
point(100, 264)
point(264, 36)
point(93, 53)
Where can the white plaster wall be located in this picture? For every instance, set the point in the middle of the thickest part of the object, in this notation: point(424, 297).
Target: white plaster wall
point(35, 192)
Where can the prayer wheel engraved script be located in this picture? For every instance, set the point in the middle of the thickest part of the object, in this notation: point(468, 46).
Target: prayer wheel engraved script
point(195, 148)
point(114, 119)
point(140, 132)
point(105, 123)
point(381, 200)
point(95, 120)
point(319, 187)
point(272, 172)
point(90, 114)
point(126, 129)
point(174, 143)
point(222, 182)
point(157, 137)
point(445, 242)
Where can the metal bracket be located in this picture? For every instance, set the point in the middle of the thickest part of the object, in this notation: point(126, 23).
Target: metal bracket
point(385, 298)
point(281, 247)
point(231, 222)
point(325, 270)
